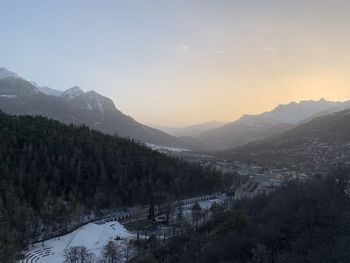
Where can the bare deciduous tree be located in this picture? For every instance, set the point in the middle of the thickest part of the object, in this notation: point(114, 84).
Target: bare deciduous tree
point(110, 253)
point(79, 254)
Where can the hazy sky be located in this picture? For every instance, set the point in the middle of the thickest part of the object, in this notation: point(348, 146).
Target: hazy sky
point(179, 62)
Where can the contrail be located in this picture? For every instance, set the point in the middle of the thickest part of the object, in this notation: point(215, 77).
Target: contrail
point(229, 51)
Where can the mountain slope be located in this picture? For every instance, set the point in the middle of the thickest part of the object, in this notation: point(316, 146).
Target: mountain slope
point(4, 73)
point(71, 93)
point(18, 96)
point(251, 128)
point(47, 90)
point(314, 146)
point(192, 130)
point(54, 175)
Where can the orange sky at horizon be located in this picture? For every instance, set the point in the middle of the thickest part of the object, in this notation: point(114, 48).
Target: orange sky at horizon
point(183, 62)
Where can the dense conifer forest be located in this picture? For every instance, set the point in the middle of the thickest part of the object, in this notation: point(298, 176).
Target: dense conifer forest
point(51, 173)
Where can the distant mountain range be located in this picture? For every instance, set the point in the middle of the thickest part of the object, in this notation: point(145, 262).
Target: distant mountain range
point(47, 90)
point(19, 96)
point(250, 128)
point(4, 73)
point(313, 146)
point(191, 130)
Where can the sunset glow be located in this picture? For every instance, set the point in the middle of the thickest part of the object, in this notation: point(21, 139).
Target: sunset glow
point(182, 62)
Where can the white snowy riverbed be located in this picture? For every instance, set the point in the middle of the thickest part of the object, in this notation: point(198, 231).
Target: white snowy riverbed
point(93, 236)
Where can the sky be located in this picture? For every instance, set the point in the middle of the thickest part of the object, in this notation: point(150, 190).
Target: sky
point(181, 62)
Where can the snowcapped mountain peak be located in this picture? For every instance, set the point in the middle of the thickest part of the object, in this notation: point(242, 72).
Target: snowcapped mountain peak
point(93, 93)
point(4, 73)
point(72, 92)
point(255, 127)
point(46, 90)
point(76, 89)
point(294, 112)
point(96, 101)
point(91, 101)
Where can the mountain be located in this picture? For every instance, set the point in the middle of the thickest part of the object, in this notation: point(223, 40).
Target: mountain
point(192, 130)
point(312, 147)
point(100, 113)
point(19, 96)
point(71, 93)
point(47, 90)
point(54, 175)
point(250, 128)
point(4, 73)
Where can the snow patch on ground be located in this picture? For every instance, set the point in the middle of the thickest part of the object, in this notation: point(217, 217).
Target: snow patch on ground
point(161, 148)
point(93, 236)
point(9, 96)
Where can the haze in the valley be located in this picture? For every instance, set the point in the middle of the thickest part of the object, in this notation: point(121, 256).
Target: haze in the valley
point(179, 63)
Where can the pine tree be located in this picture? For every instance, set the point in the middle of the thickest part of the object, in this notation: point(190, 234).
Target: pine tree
point(151, 213)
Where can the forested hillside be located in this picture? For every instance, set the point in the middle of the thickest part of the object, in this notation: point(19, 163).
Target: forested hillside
point(311, 147)
point(50, 172)
point(300, 223)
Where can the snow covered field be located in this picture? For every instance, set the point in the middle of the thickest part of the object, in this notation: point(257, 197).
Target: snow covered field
point(93, 236)
point(162, 148)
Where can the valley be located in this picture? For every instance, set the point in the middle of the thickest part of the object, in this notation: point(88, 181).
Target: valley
point(185, 131)
point(83, 189)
